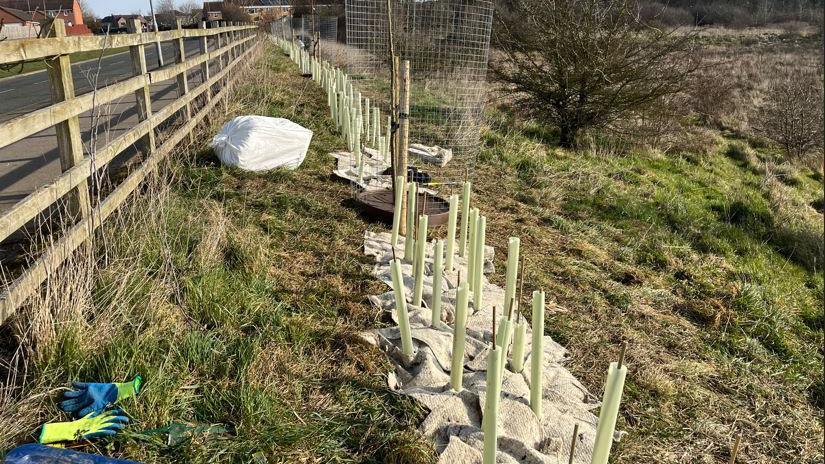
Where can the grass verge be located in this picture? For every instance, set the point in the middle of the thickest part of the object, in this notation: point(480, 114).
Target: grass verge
point(710, 267)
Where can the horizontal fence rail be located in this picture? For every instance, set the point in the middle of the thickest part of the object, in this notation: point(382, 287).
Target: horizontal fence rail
point(235, 44)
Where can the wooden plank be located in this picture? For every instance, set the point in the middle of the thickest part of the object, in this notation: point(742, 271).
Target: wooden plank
point(12, 51)
point(172, 71)
point(69, 142)
point(31, 123)
point(143, 96)
point(24, 286)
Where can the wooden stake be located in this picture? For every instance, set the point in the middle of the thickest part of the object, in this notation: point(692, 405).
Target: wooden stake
point(494, 327)
point(735, 450)
point(521, 285)
point(573, 443)
point(403, 116)
point(621, 355)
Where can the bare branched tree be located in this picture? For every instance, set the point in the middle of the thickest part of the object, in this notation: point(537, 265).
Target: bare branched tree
point(792, 113)
point(582, 64)
point(234, 12)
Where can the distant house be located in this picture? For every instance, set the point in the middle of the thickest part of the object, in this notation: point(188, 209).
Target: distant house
point(17, 24)
point(41, 10)
point(120, 23)
point(168, 19)
point(212, 11)
point(257, 9)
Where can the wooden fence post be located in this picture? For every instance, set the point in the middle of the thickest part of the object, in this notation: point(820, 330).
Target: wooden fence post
point(205, 65)
point(142, 96)
point(69, 142)
point(183, 77)
point(220, 44)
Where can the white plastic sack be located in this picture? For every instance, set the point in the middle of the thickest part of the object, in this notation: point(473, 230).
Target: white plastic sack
point(260, 143)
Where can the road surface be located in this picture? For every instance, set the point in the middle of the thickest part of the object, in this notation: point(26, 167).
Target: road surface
point(33, 162)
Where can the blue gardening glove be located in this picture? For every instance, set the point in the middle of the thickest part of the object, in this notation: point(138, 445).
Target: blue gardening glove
point(96, 397)
point(93, 425)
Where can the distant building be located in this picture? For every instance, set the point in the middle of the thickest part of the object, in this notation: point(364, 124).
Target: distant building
point(120, 23)
point(42, 10)
point(17, 24)
point(257, 9)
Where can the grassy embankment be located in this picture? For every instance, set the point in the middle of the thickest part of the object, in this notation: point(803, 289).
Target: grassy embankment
point(237, 296)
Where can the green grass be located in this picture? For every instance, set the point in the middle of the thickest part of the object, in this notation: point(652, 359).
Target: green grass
point(39, 65)
point(710, 272)
point(239, 298)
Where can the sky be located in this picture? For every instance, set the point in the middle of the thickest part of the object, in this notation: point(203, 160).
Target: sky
point(107, 7)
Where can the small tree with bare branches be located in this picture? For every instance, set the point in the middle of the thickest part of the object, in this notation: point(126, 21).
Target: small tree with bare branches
point(581, 64)
point(792, 113)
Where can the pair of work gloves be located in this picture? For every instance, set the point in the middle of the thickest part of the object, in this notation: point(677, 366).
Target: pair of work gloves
point(89, 402)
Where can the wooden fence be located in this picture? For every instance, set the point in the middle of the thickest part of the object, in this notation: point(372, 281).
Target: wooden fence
point(234, 44)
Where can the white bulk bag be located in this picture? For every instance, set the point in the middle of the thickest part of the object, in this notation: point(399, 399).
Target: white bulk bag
point(259, 143)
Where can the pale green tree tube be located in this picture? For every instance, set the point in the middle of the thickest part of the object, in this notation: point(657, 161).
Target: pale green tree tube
point(490, 420)
point(375, 128)
point(409, 241)
point(420, 256)
point(503, 341)
point(517, 360)
point(401, 308)
point(537, 354)
point(465, 211)
point(459, 337)
point(513, 250)
point(452, 219)
point(481, 237)
point(396, 213)
point(367, 120)
point(438, 280)
point(472, 228)
point(358, 154)
point(609, 412)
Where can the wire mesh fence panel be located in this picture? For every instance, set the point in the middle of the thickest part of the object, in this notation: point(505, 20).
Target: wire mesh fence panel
point(447, 44)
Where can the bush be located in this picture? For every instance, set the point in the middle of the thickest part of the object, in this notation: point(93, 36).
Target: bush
point(582, 64)
point(792, 113)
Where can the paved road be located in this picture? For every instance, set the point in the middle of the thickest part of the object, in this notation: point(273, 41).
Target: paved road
point(32, 162)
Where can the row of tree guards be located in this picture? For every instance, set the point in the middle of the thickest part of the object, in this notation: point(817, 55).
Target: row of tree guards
point(349, 110)
point(360, 124)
